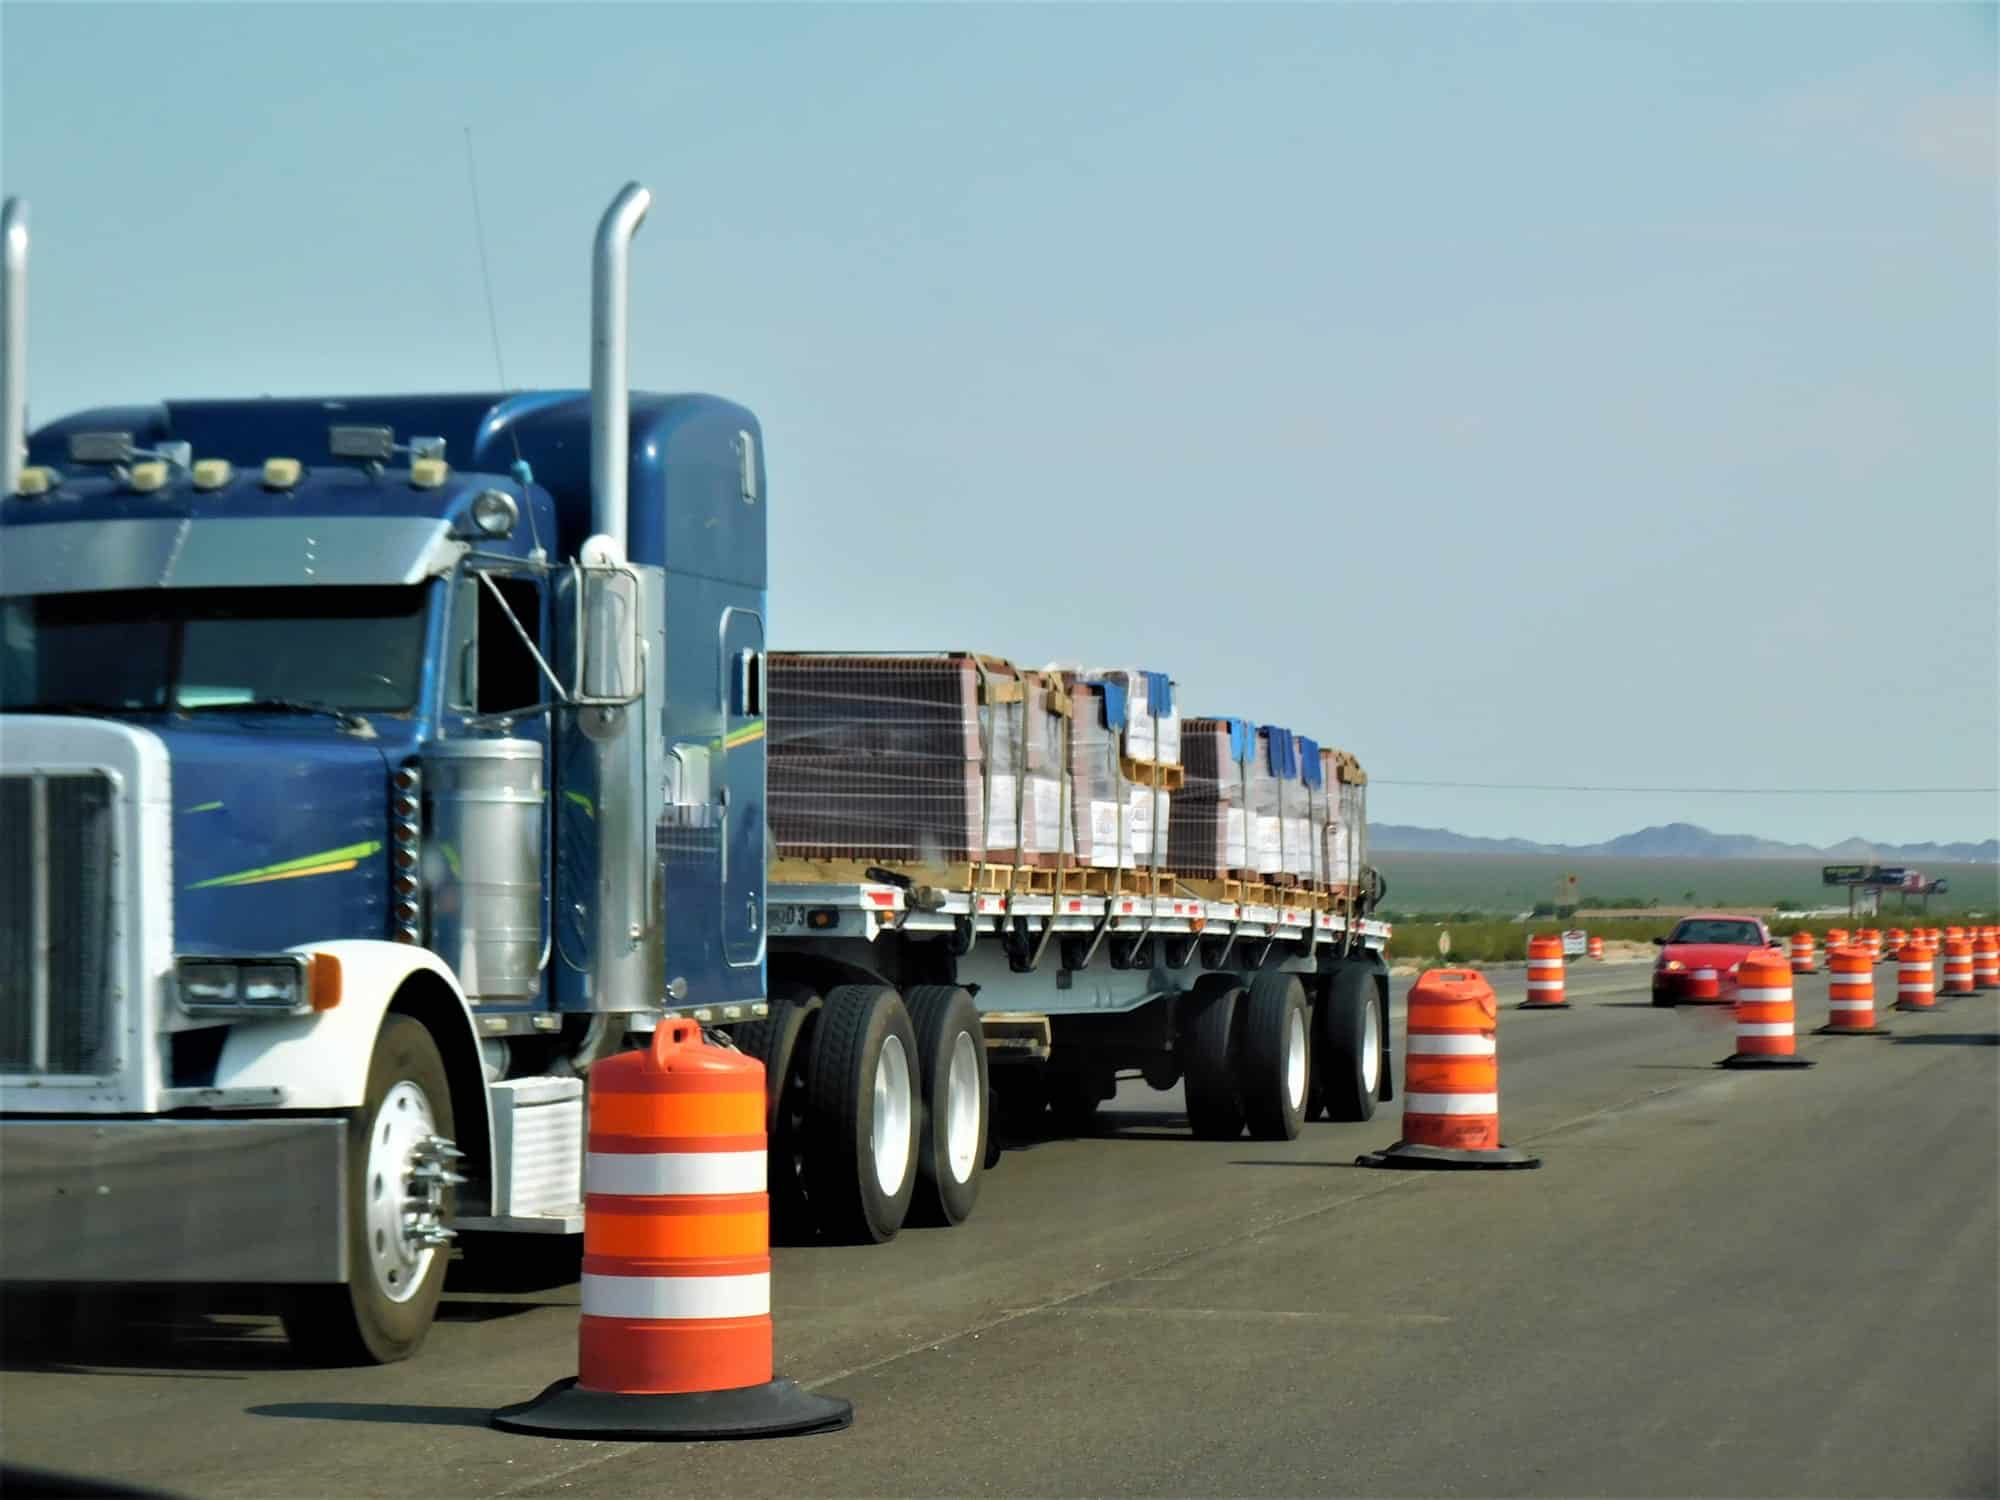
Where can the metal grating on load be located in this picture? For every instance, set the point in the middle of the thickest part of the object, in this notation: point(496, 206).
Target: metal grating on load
point(55, 923)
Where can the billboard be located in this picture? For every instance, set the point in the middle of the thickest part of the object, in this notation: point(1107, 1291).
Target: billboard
point(1844, 874)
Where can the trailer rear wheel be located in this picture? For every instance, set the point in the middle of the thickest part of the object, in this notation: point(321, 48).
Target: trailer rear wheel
point(951, 1060)
point(1274, 1057)
point(399, 1157)
point(861, 1115)
point(1208, 1054)
point(782, 1042)
point(1350, 1043)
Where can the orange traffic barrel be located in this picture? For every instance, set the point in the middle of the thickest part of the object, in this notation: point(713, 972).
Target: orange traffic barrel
point(1957, 965)
point(1451, 1078)
point(1837, 937)
point(1871, 939)
point(1850, 995)
point(1916, 977)
point(1893, 943)
point(1597, 948)
point(675, 1337)
point(1986, 958)
point(1765, 1031)
point(1545, 975)
point(1803, 961)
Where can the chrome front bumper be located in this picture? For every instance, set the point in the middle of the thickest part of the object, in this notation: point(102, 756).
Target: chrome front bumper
point(231, 1202)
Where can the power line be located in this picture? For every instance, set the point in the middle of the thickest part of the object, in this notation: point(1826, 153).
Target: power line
point(1702, 791)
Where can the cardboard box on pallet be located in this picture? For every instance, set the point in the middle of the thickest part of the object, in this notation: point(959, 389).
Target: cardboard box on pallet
point(1266, 819)
point(1347, 827)
point(918, 759)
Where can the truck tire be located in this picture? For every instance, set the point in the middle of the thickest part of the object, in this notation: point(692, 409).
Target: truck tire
point(782, 1042)
point(1273, 1057)
point(861, 1115)
point(1351, 1035)
point(387, 1306)
point(1208, 1056)
point(951, 1060)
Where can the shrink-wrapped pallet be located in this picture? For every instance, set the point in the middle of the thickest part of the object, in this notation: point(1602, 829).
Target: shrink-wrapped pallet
point(1115, 818)
point(1207, 833)
point(926, 760)
point(1142, 710)
point(1262, 803)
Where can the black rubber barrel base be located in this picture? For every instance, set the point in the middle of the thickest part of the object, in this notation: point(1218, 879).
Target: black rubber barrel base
point(1763, 1060)
point(1543, 1005)
point(1919, 1009)
point(779, 1409)
point(1852, 1031)
point(1448, 1158)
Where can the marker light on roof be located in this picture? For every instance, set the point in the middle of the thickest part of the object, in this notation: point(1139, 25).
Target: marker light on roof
point(36, 481)
point(428, 473)
point(148, 477)
point(282, 473)
point(212, 473)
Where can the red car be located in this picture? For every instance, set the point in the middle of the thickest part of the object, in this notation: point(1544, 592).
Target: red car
point(1711, 943)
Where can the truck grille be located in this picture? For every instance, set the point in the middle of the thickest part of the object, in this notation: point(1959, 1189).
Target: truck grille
point(55, 922)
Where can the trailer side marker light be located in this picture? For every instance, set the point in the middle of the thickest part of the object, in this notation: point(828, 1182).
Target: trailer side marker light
point(282, 473)
point(212, 473)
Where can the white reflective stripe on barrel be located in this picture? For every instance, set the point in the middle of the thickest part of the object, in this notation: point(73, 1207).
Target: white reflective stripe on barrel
point(1545, 963)
point(674, 1173)
point(1763, 1028)
point(677, 1296)
point(1451, 1104)
point(1762, 997)
point(1850, 1004)
point(1451, 1046)
point(1545, 984)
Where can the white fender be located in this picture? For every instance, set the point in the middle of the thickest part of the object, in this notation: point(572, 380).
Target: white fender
point(321, 1060)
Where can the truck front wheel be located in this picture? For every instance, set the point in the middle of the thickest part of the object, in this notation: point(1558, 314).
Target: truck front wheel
point(399, 1180)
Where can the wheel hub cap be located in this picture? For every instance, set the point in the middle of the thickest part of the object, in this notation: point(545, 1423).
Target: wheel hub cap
point(1295, 1059)
point(410, 1169)
point(890, 1135)
point(1371, 1047)
point(962, 1107)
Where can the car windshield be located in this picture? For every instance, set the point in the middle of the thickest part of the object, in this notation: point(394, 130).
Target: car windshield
point(178, 649)
point(1710, 930)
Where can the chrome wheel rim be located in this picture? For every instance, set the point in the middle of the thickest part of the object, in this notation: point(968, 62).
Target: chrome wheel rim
point(1371, 1048)
point(409, 1169)
point(1295, 1059)
point(890, 1135)
point(962, 1108)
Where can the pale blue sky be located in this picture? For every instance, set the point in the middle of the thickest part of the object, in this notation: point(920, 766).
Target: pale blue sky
point(1554, 393)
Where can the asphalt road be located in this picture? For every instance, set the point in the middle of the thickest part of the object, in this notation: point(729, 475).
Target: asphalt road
point(1719, 1283)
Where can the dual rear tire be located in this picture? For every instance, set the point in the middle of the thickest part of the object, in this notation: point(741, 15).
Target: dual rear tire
point(1267, 1057)
point(876, 1109)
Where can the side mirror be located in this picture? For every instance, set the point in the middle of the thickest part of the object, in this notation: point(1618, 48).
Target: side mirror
point(1659, 942)
point(609, 669)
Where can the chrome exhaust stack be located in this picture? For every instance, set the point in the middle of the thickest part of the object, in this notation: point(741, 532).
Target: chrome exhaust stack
point(13, 344)
point(610, 364)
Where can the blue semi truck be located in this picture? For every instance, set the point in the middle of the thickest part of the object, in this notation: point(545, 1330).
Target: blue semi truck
point(370, 767)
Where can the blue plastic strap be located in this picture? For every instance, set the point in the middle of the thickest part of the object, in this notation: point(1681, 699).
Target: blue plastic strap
point(1278, 751)
point(1242, 737)
point(1309, 760)
point(1114, 702)
point(1159, 694)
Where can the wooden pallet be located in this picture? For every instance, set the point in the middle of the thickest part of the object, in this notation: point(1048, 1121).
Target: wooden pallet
point(1152, 773)
point(1143, 882)
point(1247, 893)
point(1085, 880)
point(986, 879)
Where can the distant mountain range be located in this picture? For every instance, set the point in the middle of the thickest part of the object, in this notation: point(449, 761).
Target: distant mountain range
point(1681, 841)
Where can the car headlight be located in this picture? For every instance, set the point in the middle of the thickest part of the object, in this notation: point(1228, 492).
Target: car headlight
point(285, 984)
point(1671, 966)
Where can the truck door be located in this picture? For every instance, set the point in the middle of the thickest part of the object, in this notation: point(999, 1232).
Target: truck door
point(742, 779)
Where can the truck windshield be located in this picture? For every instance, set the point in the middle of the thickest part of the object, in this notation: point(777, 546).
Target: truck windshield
point(170, 649)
